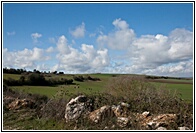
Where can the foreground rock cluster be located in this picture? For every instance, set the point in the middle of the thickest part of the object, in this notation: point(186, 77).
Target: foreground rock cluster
point(18, 103)
point(81, 107)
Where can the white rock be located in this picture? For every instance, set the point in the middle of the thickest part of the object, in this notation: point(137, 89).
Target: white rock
point(123, 121)
point(161, 128)
point(146, 113)
point(101, 113)
point(76, 107)
point(183, 128)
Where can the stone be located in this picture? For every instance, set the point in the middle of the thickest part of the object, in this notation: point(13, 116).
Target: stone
point(77, 107)
point(161, 128)
point(183, 128)
point(123, 121)
point(20, 103)
point(121, 110)
point(155, 121)
point(100, 114)
point(145, 114)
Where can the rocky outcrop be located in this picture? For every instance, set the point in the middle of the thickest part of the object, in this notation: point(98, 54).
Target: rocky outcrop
point(76, 107)
point(100, 114)
point(161, 128)
point(121, 112)
point(153, 122)
point(183, 128)
point(123, 121)
point(20, 103)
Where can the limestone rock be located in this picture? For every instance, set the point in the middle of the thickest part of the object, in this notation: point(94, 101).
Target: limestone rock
point(161, 128)
point(100, 114)
point(145, 114)
point(183, 128)
point(20, 103)
point(121, 110)
point(155, 121)
point(76, 107)
point(123, 121)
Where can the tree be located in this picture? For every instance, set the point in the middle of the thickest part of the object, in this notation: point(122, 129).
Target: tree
point(36, 79)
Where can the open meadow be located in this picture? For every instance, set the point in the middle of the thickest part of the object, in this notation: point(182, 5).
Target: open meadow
point(182, 86)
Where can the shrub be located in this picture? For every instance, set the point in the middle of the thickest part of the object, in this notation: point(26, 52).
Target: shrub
point(83, 78)
point(78, 78)
point(36, 79)
point(144, 96)
point(11, 82)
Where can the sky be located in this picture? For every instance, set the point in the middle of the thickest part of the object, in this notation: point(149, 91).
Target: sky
point(132, 37)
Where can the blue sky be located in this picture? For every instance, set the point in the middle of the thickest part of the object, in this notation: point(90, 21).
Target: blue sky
point(99, 37)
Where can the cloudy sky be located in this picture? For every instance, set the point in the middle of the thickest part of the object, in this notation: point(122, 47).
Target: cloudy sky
point(137, 38)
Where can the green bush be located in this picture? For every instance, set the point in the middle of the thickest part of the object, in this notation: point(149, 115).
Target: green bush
point(36, 79)
point(144, 96)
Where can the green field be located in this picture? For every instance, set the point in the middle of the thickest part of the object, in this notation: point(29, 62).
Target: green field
point(13, 76)
point(177, 80)
point(186, 90)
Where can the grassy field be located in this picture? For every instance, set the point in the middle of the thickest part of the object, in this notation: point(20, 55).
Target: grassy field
point(186, 90)
point(13, 76)
point(28, 118)
point(177, 80)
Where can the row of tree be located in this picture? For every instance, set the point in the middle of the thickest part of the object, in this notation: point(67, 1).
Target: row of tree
point(21, 71)
point(36, 79)
point(83, 78)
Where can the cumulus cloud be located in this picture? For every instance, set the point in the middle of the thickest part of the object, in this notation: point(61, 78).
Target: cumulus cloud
point(79, 31)
point(179, 69)
point(120, 39)
point(152, 51)
point(120, 24)
point(24, 58)
point(149, 54)
point(85, 59)
point(120, 52)
point(181, 42)
point(35, 37)
point(50, 50)
point(62, 45)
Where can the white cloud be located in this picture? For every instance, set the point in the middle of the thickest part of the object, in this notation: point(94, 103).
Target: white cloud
point(25, 58)
point(120, 24)
point(87, 59)
point(120, 52)
point(149, 54)
point(160, 55)
point(181, 42)
point(152, 51)
point(79, 31)
point(35, 37)
point(11, 33)
point(62, 45)
point(50, 50)
point(120, 39)
point(179, 69)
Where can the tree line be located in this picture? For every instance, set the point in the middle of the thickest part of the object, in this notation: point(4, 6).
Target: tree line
point(21, 71)
point(36, 79)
